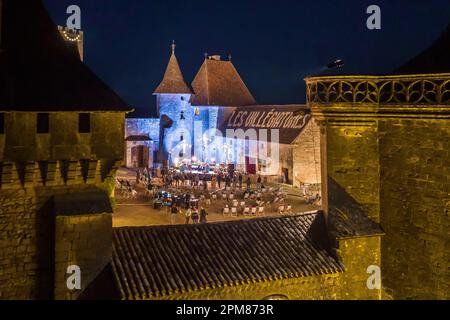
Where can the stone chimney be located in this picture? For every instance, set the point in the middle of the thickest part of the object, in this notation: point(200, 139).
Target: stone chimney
point(215, 57)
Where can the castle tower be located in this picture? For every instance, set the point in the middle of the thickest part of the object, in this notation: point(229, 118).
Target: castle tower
point(74, 40)
point(176, 114)
point(61, 142)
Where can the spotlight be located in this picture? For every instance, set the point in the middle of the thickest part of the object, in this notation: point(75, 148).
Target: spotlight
point(336, 64)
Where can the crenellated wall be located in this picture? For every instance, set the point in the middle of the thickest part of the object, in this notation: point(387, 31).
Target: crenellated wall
point(30, 225)
point(43, 179)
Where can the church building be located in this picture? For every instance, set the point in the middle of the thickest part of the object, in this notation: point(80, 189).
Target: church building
point(216, 120)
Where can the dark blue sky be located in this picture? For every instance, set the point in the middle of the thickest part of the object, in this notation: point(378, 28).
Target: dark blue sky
point(274, 44)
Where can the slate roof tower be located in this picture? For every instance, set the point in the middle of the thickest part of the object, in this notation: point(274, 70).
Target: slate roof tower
point(176, 114)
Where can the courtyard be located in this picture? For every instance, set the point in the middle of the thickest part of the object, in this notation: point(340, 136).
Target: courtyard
point(138, 210)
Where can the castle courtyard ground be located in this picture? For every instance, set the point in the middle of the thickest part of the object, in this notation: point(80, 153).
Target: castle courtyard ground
point(140, 211)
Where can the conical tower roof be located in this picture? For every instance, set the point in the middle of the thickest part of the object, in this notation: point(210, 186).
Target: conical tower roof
point(173, 81)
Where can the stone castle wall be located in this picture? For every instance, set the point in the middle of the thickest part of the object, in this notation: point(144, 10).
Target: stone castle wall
point(84, 241)
point(143, 126)
point(387, 158)
point(30, 229)
point(63, 142)
point(35, 171)
point(306, 155)
point(415, 207)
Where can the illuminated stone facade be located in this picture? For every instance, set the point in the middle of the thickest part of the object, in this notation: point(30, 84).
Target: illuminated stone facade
point(55, 207)
point(387, 141)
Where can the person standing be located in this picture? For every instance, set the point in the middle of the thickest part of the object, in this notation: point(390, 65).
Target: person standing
point(213, 183)
point(249, 183)
point(258, 182)
point(194, 216)
point(203, 215)
point(240, 180)
point(173, 214)
point(187, 215)
point(219, 179)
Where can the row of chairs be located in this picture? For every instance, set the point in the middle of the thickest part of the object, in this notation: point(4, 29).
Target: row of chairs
point(246, 211)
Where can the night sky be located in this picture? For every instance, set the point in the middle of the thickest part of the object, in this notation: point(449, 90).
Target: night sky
point(274, 44)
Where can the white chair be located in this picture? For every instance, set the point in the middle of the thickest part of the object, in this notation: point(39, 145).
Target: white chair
point(226, 211)
point(246, 211)
point(254, 211)
point(231, 197)
point(235, 203)
point(214, 196)
point(224, 196)
point(246, 196)
point(234, 212)
point(242, 204)
point(261, 210)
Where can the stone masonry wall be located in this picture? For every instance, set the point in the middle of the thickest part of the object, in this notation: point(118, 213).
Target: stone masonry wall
point(144, 126)
point(84, 241)
point(415, 207)
point(352, 168)
point(306, 153)
point(63, 142)
point(18, 245)
point(358, 253)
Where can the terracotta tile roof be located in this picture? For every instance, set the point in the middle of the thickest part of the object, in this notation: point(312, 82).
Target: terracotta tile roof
point(37, 70)
point(173, 81)
point(219, 84)
point(150, 262)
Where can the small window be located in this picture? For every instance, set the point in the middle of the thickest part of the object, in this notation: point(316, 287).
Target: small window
point(84, 123)
point(2, 123)
point(43, 123)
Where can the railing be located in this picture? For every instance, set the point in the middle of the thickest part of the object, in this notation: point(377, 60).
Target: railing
point(403, 89)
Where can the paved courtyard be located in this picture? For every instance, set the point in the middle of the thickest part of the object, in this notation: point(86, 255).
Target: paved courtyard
point(140, 211)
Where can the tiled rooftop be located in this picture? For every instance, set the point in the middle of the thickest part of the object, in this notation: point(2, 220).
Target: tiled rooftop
point(150, 262)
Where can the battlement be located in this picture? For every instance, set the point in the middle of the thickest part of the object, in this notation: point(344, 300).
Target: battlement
point(14, 175)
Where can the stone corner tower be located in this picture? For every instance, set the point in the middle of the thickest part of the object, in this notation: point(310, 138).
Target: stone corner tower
point(175, 112)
